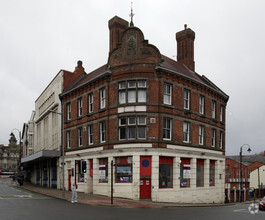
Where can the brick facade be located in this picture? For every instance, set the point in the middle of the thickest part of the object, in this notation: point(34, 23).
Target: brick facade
point(136, 108)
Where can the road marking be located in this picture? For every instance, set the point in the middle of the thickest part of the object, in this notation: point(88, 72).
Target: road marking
point(240, 210)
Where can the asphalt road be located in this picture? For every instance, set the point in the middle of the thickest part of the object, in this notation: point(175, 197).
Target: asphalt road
point(17, 204)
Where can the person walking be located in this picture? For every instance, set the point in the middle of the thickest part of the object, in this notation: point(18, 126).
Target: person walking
point(74, 193)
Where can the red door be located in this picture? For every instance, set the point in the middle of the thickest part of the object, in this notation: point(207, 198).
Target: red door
point(69, 179)
point(145, 177)
point(145, 188)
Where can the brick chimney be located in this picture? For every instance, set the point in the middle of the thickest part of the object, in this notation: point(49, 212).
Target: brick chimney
point(116, 27)
point(185, 47)
point(70, 77)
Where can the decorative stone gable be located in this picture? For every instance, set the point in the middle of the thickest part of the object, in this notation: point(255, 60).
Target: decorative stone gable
point(134, 49)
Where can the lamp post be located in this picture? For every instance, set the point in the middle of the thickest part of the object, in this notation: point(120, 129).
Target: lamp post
point(62, 124)
point(19, 133)
point(240, 196)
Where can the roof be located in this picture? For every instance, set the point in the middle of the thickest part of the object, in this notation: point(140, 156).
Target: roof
point(88, 78)
point(249, 159)
point(167, 65)
point(180, 69)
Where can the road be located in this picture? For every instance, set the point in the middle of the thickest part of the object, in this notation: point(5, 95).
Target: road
point(18, 204)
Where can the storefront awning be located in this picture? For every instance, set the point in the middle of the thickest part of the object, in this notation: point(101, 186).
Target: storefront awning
point(41, 154)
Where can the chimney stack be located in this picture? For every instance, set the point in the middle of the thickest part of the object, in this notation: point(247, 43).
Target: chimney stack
point(116, 27)
point(185, 47)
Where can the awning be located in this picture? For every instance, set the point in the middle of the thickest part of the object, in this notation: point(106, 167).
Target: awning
point(41, 154)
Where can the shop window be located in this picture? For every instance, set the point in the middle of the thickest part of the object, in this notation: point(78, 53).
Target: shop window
point(103, 170)
point(79, 171)
point(185, 172)
point(165, 172)
point(123, 169)
point(212, 173)
point(200, 173)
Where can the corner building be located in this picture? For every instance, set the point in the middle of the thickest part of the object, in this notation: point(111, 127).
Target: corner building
point(161, 123)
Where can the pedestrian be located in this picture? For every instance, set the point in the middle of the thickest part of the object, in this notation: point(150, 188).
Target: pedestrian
point(74, 193)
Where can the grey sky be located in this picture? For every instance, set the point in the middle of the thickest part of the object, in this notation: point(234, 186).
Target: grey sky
point(38, 38)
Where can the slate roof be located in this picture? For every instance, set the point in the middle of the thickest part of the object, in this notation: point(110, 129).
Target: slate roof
point(249, 159)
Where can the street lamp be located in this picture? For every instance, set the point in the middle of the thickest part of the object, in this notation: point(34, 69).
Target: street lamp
point(19, 132)
point(53, 111)
point(241, 169)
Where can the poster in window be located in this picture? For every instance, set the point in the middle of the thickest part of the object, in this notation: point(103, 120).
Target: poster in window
point(102, 172)
point(124, 169)
point(186, 171)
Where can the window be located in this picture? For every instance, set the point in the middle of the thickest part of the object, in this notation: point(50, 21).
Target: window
point(132, 127)
point(103, 170)
point(186, 99)
point(90, 103)
point(167, 93)
point(79, 171)
point(201, 104)
point(221, 113)
point(213, 138)
point(68, 139)
point(200, 173)
point(68, 111)
point(221, 140)
point(90, 134)
point(185, 172)
point(123, 168)
point(132, 91)
point(201, 135)
point(212, 173)
point(79, 137)
point(186, 132)
point(102, 93)
point(165, 172)
point(213, 109)
point(102, 131)
point(80, 107)
point(167, 129)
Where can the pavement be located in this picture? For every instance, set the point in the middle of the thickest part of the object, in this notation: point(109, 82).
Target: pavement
point(99, 200)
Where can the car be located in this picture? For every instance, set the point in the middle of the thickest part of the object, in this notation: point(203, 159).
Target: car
point(262, 204)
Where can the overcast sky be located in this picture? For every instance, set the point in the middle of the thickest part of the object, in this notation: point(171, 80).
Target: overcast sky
point(38, 38)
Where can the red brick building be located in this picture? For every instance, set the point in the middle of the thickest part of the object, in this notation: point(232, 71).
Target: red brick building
point(233, 177)
point(161, 123)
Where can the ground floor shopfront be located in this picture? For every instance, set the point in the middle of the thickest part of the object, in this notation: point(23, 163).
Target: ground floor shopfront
point(43, 169)
point(174, 174)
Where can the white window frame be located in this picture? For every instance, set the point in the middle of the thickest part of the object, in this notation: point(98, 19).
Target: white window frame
point(186, 99)
point(102, 131)
point(221, 113)
point(102, 98)
point(80, 106)
point(167, 128)
point(90, 132)
point(167, 97)
point(68, 139)
point(79, 137)
point(201, 104)
point(213, 109)
point(213, 138)
point(221, 140)
point(201, 134)
point(68, 111)
point(90, 103)
point(186, 132)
